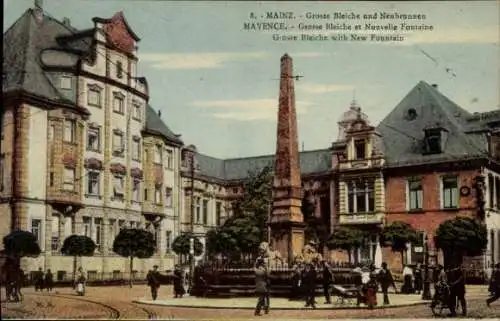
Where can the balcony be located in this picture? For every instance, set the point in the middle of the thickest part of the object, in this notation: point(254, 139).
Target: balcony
point(361, 218)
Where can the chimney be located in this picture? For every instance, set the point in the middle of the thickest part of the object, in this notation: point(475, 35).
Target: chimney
point(435, 86)
point(38, 10)
point(66, 22)
point(159, 113)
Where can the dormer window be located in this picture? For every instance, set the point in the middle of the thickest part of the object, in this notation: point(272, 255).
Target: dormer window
point(433, 141)
point(360, 149)
point(65, 82)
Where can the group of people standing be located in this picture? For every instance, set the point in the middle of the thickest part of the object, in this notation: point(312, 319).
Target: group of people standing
point(43, 281)
point(154, 279)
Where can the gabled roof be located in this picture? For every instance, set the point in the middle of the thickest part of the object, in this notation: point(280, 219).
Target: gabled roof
point(403, 136)
point(155, 125)
point(119, 15)
point(26, 38)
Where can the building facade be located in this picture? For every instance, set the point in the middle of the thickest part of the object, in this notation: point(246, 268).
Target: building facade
point(82, 151)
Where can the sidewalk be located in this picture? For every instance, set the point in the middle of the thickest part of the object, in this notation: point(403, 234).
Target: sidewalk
point(397, 300)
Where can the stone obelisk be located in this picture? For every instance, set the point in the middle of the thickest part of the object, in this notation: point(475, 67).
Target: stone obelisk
point(286, 221)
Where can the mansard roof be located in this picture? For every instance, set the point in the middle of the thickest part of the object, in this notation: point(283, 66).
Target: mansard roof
point(155, 125)
point(233, 169)
point(425, 107)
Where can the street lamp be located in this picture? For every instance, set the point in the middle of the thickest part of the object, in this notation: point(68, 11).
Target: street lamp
point(426, 293)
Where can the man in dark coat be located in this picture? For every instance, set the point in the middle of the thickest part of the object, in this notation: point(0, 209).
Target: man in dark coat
point(261, 286)
point(494, 285)
point(38, 279)
point(327, 281)
point(178, 282)
point(457, 290)
point(386, 280)
point(309, 281)
point(49, 281)
point(296, 281)
point(153, 278)
point(418, 278)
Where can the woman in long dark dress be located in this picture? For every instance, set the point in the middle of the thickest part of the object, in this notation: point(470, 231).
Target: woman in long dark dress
point(418, 278)
point(178, 282)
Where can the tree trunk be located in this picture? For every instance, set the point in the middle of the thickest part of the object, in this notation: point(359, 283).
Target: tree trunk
point(402, 253)
point(131, 267)
point(74, 272)
point(349, 256)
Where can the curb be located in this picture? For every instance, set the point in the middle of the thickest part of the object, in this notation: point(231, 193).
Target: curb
point(282, 308)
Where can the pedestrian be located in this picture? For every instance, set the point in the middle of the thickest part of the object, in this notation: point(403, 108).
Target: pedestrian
point(80, 282)
point(407, 287)
point(38, 278)
point(418, 278)
point(371, 291)
point(49, 281)
point(309, 281)
point(386, 280)
point(261, 286)
point(153, 278)
point(494, 285)
point(327, 281)
point(296, 281)
point(457, 291)
point(178, 282)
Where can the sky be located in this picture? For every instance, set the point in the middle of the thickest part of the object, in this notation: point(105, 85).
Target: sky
point(217, 84)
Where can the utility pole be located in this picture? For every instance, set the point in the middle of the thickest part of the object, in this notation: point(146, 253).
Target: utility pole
point(426, 293)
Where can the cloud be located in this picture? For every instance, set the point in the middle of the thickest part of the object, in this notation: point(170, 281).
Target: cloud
point(247, 110)
point(324, 88)
point(206, 60)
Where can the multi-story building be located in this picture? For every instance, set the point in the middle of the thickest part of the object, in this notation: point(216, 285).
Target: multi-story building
point(82, 151)
point(416, 166)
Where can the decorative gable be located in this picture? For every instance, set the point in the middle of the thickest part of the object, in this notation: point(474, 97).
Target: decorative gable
point(118, 32)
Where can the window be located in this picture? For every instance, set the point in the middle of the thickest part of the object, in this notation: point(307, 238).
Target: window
point(415, 194)
point(52, 130)
point(69, 179)
point(491, 191)
point(158, 194)
point(450, 192)
point(497, 192)
point(205, 212)
point(157, 238)
point(119, 69)
point(361, 197)
point(65, 82)
point(117, 143)
point(136, 190)
point(98, 233)
point(36, 229)
point(168, 196)
point(112, 233)
point(197, 204)
point(93, 182)
point(157, 156)
point(94, 96)
point(118, 187)
point(360, 148)
point(118, 104)
point(55, 232)
point(168, 241)
point(136, 149)
point(169, 159)
point(93, 139)
point(69, 130)
point(86, 226)
point(218, 213)
point(432, 141)
point(136, 111)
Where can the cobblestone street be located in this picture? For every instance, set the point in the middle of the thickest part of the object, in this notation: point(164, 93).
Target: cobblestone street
point(116, 302)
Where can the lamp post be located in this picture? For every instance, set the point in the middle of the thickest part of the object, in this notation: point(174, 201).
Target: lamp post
point(426, 293)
